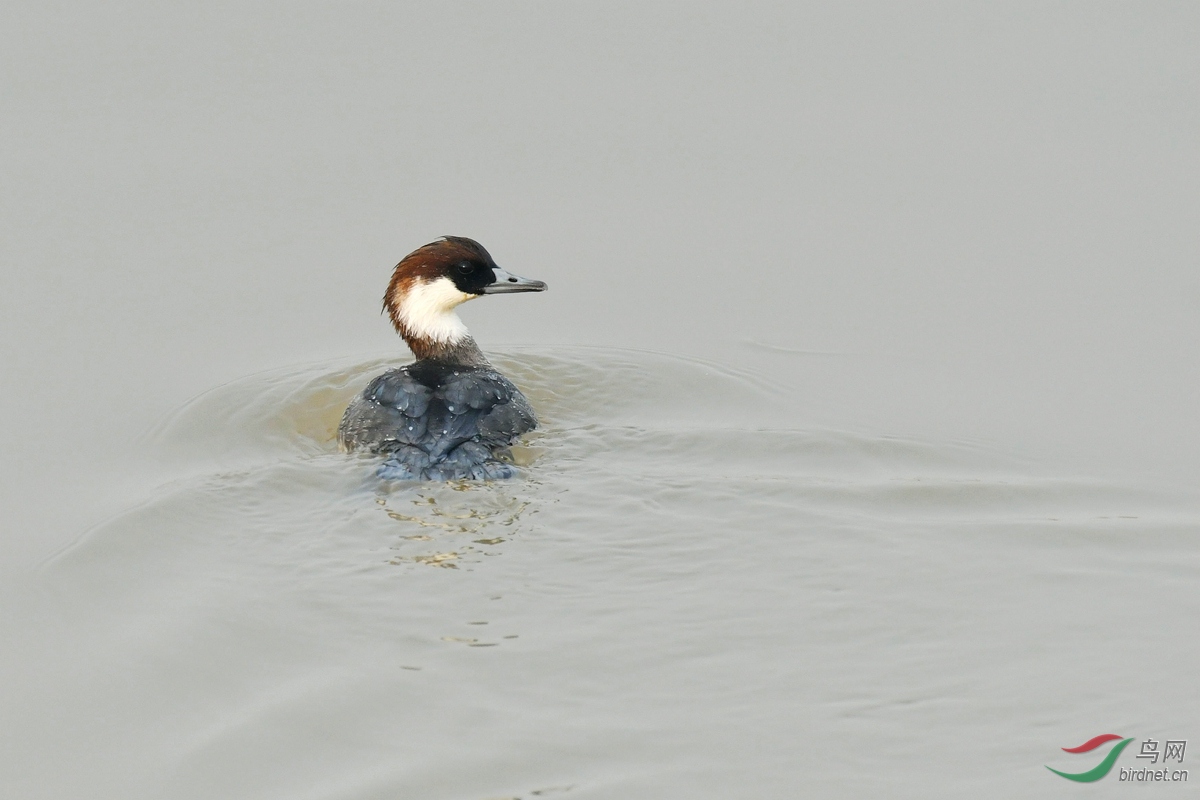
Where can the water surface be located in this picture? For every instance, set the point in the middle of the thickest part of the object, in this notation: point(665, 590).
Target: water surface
point(868, 374)
point(685, 594)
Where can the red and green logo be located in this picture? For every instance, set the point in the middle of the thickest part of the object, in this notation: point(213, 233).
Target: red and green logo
point(1100, 770)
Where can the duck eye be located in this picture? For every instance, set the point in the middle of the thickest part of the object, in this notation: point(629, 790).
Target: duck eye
point(464, 269)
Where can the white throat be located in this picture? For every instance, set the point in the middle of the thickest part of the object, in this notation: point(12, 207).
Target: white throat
point(427, 311)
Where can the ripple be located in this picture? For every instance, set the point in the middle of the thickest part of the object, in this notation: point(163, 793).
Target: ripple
point(631, 428)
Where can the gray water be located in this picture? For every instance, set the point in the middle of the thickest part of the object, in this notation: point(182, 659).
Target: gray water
point(867, 376)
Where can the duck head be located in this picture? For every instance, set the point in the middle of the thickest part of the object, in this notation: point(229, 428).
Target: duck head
point(431, 282)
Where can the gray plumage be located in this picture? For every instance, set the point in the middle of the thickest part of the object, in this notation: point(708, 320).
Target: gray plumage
point(437, 421)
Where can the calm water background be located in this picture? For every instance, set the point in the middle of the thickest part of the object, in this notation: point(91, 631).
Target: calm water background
point(868, 374)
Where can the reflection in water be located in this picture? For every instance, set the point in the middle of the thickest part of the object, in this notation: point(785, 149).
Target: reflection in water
point(449, 525)
point(678, 560)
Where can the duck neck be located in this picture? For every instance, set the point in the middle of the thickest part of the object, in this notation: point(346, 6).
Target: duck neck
point(458, 351)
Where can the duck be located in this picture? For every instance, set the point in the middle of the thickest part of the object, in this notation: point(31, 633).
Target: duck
point(449, 415)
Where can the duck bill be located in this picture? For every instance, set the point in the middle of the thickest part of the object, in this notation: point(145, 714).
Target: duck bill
point(507, 283)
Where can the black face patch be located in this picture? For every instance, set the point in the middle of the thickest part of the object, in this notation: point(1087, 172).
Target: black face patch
point(472, 275)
